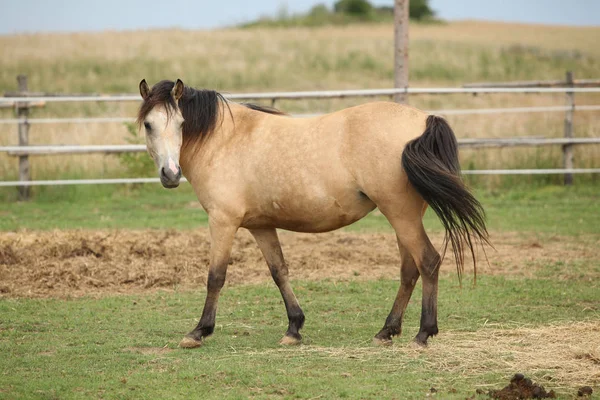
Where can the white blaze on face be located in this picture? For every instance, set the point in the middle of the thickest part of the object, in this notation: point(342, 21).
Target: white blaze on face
point(173, 166)
point(164, 138)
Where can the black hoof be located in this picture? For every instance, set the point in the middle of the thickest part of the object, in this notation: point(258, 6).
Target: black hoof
point(421, 341)
point(422, 336)
point(386, 333)
point(293, 334)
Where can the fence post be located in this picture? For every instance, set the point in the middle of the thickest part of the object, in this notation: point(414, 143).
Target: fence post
point(401, 17)
point(22, 114)
point(568, 148)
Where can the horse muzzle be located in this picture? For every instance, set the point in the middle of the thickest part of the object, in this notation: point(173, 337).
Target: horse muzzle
point(169, 178)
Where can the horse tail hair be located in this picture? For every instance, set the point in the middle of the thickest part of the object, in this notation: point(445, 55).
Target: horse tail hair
point(431, 164)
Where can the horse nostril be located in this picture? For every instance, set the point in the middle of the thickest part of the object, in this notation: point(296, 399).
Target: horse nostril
point(168, 175)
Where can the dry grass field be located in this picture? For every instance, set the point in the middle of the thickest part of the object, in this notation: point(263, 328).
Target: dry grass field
point(356, 56)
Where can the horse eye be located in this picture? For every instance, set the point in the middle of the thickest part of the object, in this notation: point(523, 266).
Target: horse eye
point(147, 126)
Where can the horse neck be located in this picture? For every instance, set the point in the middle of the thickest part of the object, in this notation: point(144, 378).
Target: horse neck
point(229, 125)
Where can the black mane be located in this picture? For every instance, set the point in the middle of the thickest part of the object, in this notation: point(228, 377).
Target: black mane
point(201, 109)
point(265, 109)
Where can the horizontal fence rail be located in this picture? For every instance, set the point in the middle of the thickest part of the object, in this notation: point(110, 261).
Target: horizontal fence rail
point(508, 110)
point(140, 148)
point(557, 171)
point(82, 182)
point(73, 149)
point(529, 84)
point(465, 111)
point(76, 120)
point(15, 100)
point(502, 142)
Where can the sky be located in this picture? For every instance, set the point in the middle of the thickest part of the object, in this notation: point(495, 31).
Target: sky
point(17, 16)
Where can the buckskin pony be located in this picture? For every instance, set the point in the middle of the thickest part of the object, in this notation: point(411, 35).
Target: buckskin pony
point(257, 168)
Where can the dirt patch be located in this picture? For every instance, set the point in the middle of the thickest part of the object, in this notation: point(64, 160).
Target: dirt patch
point(148, 350)
point(521, 387)
point(75, 263)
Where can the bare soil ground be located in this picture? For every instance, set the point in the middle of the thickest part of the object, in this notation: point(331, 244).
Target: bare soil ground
point(76, 263)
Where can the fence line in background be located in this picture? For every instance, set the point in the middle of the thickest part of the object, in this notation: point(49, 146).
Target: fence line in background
point(77, 120)
point(82, 182)
point(530, 141)
point(465, 111)
point(73, 149)
point(474, 111)
point(558, 171)
point(140, 148)
point(529, 84)
point(313, 94)
point(23, 100)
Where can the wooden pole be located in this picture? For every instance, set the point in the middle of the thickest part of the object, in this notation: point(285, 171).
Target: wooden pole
point(568, 148)
point(22, 113)
point(401, 16)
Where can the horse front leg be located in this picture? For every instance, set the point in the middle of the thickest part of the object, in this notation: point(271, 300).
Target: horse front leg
point(269, 245)
point(222, 233)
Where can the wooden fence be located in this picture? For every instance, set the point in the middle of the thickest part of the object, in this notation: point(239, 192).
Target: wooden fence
point(569, 112)
point(23, 100)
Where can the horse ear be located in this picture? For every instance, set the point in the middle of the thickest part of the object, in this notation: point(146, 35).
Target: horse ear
point(177, 91)
point(144, 89)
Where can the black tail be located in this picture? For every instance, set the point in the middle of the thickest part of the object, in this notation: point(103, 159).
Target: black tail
point(431, 163)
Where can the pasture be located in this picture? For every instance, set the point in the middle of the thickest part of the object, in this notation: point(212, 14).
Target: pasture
point(98, 284)
point(94, 304)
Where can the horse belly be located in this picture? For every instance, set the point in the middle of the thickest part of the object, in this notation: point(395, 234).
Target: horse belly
point(312, 215)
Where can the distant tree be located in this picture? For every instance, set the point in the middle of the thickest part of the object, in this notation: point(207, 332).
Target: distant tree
point(419, 10)
point(386, 10)
point(357, 8)
point(345, 12)
point(319, 10)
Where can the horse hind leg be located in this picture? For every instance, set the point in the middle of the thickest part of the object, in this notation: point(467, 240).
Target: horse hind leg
point(430, 267)
point(409, 274)
point(413, 239)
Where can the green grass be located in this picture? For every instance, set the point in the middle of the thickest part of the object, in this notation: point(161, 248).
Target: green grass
point(547, 209)
point(104, 206)
point(126, 346)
